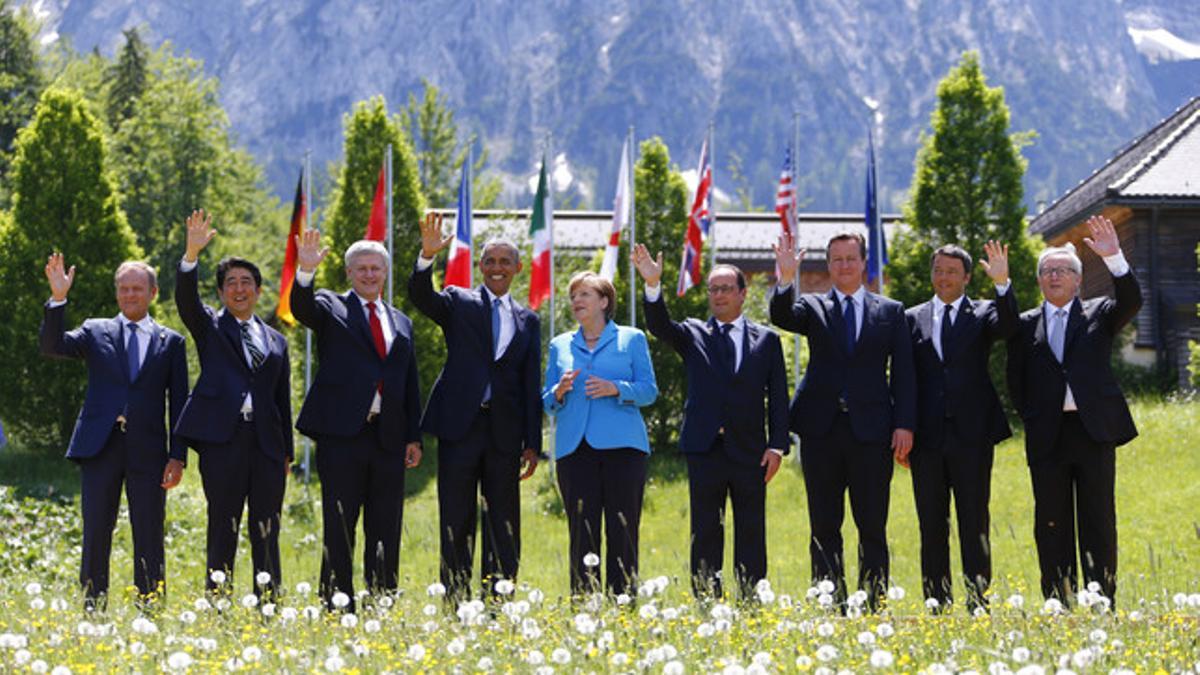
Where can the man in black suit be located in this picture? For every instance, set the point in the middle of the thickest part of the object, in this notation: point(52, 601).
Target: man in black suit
point(959, 418)
point(363, 410)
point(485, 409)
point(1062, 384)
point(845, 410)
point(239, 415)
point(121, 435)
point(732, 363)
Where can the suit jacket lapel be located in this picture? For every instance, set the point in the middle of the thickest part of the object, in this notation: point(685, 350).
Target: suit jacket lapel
point(966, 314)
point(485, 305)
point(518, 330)
point(116, 333)
point(356, 316)
point(833, 315)
point(231, 331)
point(925, 324)
point(154, 346)
point(1074, 323)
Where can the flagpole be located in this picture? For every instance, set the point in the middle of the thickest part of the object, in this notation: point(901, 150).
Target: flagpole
point(632, 230)
point(796, 237)
point(550, 217)
point(391, 244)
point(307, 331)
point(470, 178)
point(712, 188)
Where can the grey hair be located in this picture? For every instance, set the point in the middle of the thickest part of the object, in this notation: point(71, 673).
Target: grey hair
point(500, 241)
point(364, 246)
point(137, 265)
point(1067, 249)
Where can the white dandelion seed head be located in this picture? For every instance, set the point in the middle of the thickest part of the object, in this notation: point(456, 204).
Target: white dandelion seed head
point(262, 578)
point(435, 590)
point(932, 603)
point(1053, 606)
point(536, 595)
point(340, 600)
point(885, 630)
point(416, 652)
point(372, 625)
point(252, 654)
point(535, 657)
point(249, 600)
point(1016, 601)
point(505, 587)
point(866, 637)
point(33, 588)
point(456, 646)
point(179, 661)
point(560, 656)
point(303, 588)
point(825, 629)
point(268, 609)
point(349, 621)
point(217, 576)
point(896, 593)
point(826, 653)
point(825, 600)
point(429, 610)
point(484, 663)
point(882, 658)
point(334, 664)
point(591, 559)
point(623, 599)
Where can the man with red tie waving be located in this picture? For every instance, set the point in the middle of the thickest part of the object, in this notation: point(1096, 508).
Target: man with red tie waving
point(363, 411)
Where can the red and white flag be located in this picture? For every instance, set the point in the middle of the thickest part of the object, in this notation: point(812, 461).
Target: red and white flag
point(785, 200)
point(377, 223)
point(622, 204)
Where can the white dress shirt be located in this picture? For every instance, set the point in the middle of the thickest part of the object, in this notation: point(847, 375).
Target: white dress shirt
point(145, 332)
point(860, 307)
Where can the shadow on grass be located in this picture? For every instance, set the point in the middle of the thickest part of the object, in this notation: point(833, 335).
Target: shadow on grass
point(38, 474)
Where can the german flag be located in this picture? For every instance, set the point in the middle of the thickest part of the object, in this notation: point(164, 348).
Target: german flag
point(299, 215)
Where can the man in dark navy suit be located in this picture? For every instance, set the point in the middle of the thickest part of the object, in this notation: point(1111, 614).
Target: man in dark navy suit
point(846, 410)
point(485, 409)
point(959, 418)
point(1062, 384)
point(121, 435)
point(732, 364)
point(239, 415)
point(364, 412)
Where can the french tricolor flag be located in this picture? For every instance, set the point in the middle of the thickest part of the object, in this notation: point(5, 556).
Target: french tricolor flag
point(458, 267)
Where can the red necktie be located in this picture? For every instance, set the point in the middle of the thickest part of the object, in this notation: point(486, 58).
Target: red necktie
point(377, 331)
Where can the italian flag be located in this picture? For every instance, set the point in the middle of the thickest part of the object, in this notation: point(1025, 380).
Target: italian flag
point(541, 225)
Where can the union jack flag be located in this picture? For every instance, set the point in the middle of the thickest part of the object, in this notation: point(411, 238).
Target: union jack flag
point(699, 221)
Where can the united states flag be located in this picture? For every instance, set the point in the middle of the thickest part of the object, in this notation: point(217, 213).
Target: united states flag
point(785, 198)
point(699, 220)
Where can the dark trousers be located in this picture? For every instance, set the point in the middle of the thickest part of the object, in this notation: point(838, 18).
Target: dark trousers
point(964, 470)
point(140, 469)
point(833, 464)
point(712, 477)
point(359, 475)
point(1075, 489)
point(467, 469)
point(603, 484)
point(234, 474)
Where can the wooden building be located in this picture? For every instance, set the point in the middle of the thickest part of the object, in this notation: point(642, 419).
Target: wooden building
point(1150, 189)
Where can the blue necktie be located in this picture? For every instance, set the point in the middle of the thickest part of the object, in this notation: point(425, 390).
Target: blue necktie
point(131, 351)
point(851, 322)
point(496, 308)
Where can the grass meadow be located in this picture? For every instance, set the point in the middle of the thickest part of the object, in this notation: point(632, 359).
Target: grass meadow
point(1154, 628)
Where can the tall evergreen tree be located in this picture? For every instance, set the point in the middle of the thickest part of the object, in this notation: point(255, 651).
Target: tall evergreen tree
point(64, 198)
point(127, 79)
point(175, 153)
point(966, 190)
point(20, 80)
point(368, 130)
point(661, 220)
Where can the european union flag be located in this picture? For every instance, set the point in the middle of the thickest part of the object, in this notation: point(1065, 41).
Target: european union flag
point(876, 244)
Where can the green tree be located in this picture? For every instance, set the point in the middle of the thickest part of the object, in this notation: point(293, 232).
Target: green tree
point(966, 190)
point(64, 198)
point(175, 153)
point(20, 79)
point(127, 79)
point(440, 152)
point(661, 219)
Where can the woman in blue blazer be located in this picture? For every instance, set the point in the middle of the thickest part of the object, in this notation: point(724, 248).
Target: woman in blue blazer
point(596, 379)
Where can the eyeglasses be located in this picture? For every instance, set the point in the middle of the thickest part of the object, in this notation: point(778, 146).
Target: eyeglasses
point(1057, 271)
point(725, 288)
